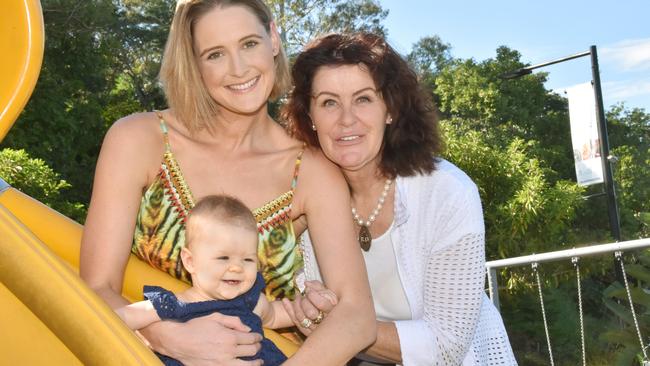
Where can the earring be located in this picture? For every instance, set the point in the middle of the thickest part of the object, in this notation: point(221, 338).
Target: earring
point(313, 127)
point(389, 120)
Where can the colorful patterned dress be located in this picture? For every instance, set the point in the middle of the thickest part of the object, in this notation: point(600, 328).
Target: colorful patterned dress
point(160, 228)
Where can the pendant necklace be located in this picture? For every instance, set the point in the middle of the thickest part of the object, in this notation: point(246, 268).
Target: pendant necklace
point(365, 240)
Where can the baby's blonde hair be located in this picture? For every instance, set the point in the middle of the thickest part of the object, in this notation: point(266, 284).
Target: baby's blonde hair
point(222, 209)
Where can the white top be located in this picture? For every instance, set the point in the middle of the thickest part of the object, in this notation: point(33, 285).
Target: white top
point(387, 291)
point(439, 244)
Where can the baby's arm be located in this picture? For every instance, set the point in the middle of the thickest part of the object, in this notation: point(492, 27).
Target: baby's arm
point(138, 315)
point(274, 315)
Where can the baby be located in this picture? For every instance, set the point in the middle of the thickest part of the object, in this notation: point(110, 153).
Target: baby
point(221, 257)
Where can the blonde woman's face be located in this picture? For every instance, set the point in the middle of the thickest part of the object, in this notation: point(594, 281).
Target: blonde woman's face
point(235, 55)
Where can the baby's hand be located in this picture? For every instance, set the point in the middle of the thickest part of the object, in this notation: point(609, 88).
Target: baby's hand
point(329, 295)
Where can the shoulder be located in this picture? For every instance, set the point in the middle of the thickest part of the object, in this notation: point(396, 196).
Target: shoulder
point(319, 180)
point(447, 178)
point(134, 143)
point(316, 166)
point(138, 128)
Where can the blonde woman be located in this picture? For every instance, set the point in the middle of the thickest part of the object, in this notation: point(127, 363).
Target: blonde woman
point(222, 62)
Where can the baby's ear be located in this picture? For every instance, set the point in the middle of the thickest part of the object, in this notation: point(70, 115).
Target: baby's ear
point(188, 260)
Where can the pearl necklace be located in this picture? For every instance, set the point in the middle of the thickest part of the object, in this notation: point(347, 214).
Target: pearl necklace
point(365, 240)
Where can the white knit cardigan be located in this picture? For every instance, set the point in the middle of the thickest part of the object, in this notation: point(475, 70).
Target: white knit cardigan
point(440, 249)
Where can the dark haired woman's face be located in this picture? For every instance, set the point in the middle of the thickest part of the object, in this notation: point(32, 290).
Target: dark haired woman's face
point(350, 116)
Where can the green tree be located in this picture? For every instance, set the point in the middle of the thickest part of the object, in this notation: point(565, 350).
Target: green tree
point(299, 21)
point(629, 132)
point(34, 178)
point(524, 211)
point(140, 35)
point(429, 56)
point(510, 138)
point(62, 123)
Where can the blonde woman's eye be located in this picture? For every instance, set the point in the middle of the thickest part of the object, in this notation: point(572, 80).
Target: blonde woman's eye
point(214, 55)
point(250, 44)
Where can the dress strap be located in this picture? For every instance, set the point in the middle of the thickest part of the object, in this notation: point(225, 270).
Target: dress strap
point(163, 127)
point(296, 169)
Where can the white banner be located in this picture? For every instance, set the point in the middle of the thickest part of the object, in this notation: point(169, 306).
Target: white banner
point(584, 134)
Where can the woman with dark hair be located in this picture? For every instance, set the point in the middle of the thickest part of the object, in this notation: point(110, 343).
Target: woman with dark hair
point(419, 218)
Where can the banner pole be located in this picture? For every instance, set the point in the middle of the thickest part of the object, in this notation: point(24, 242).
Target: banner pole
point(608, 178)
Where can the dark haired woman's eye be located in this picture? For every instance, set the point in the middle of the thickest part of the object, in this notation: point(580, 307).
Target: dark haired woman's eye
point(329, 103)
point(364, 99)
point(250, 44)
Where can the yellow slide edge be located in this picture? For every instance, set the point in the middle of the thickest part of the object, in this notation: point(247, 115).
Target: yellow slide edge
point(63, 236)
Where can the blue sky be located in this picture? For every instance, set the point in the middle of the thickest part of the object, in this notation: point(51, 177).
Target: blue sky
point(541, 31)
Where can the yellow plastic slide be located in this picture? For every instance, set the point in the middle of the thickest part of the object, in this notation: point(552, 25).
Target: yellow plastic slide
point(48, 316)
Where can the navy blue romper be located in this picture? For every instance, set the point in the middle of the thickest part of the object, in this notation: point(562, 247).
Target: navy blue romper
point(169, 307)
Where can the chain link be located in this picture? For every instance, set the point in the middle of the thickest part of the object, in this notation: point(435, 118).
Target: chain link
point(541, 301)
point(575, 261)
point(619, 257)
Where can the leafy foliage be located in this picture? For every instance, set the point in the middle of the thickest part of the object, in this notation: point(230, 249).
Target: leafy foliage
point(62, 123)
point(511, 136)
point(299, 21)
point(34, 178)
point(523, 211)
point(616, 300)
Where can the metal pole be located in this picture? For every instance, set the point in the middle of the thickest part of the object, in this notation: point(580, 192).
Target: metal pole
point(608, 178)
point(558, 255)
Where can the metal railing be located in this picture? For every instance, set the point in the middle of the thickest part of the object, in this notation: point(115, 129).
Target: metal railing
point(492, 266)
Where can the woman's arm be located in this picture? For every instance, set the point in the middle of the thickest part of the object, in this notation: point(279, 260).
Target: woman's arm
point(214, 339)
point(454, 271)
point(130, 156)
point(323, 196)
point(125, 159)
point(454, 275)
point(386, 346)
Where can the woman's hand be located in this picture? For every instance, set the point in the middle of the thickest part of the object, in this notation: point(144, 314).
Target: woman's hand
point(214, 339)
point(312, 307)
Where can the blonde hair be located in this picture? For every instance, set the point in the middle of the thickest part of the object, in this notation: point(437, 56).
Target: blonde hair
point(181, 79)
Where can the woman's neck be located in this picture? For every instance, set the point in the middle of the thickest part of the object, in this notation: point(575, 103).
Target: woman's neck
point(232, 131)
point(365, 182)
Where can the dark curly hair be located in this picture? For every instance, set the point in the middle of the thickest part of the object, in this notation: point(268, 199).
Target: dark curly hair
point(412, 141)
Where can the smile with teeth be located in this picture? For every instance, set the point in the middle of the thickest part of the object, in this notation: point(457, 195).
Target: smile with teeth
point(232, 282)
point(244, 86)
point(349, 138)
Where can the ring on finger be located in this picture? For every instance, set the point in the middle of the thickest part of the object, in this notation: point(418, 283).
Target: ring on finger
point(320, 317)
point(306, 323)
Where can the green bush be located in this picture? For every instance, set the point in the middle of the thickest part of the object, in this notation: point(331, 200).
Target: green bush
point(36, 179)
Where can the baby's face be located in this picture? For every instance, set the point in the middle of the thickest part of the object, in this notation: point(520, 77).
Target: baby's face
point(224, 258)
